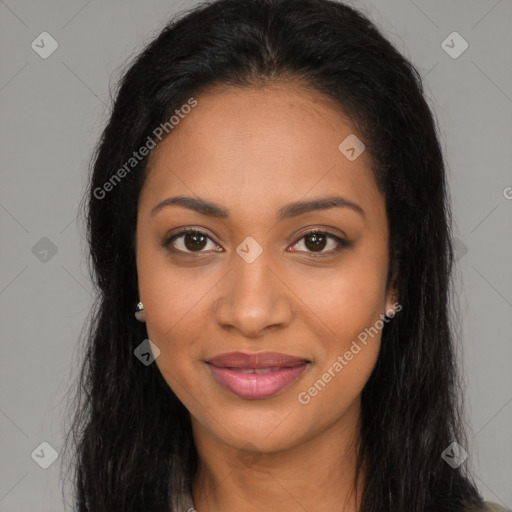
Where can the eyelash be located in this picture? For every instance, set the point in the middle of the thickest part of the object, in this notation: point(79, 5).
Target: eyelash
point(191, 231)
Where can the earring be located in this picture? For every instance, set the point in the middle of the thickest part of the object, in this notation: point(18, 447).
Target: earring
point(390, 314)
point(140, 314)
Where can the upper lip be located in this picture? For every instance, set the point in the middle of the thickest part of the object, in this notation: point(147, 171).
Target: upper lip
point(256, 360)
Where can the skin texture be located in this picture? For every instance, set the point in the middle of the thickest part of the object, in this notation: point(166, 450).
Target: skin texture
point(252, 151)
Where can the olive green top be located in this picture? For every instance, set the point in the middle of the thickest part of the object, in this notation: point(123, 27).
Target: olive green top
point(184, 503)
point(494, 507)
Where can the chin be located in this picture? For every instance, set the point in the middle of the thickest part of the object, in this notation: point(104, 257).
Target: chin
point(261, 430)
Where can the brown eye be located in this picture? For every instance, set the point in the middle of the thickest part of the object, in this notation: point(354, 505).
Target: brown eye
point(190, 241)
point(195, 241)
point(316, 242)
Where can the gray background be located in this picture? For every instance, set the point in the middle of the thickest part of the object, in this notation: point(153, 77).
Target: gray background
point(52, 112)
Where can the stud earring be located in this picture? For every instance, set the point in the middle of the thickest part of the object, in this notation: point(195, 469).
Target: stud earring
point(140, 314)
point(391, 313)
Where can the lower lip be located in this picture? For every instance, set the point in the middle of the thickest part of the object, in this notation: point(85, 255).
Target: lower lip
point(253, 386)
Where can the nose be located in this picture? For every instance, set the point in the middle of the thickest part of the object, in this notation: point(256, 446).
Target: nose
point(254, 300)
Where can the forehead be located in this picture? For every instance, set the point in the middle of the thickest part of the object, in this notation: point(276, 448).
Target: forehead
point(272, 144)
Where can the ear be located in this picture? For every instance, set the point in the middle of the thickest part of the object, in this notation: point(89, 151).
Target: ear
point(392, 304)
point(392, 300)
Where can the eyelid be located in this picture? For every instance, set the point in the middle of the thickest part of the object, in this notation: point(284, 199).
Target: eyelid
point(342, 243)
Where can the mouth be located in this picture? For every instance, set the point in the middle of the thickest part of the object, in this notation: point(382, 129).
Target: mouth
point(258, 375)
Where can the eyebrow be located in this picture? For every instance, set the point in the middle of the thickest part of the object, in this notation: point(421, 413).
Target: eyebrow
point(211, 209)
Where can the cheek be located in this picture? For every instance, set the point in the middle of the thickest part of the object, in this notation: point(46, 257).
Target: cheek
point(175, 315)
point(351, 299)
point(173, 297)
point(346, 352)
point(177, 332)
point(348, 321)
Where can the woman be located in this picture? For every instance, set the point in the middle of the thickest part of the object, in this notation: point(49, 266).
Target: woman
point(269, 197)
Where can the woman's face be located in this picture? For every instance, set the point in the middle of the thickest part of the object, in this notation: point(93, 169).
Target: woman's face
point(260, 170)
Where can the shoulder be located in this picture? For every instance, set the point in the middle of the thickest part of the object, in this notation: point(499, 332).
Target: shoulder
point(494, 507)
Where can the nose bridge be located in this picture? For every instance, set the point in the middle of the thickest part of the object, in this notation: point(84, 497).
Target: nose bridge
point(252, 297)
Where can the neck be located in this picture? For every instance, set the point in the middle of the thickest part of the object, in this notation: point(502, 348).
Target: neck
point(317, 474)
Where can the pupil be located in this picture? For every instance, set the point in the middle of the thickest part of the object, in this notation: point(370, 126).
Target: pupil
point(317, 241)
point(199, 241)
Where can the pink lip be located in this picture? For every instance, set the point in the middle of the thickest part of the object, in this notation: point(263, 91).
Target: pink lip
point(231, 370)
